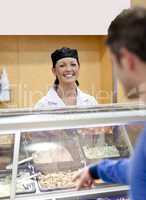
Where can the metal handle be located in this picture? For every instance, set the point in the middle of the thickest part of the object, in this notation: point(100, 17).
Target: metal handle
point(20, 162)
point(29, 177)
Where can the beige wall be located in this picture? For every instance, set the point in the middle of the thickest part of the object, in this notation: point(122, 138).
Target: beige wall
point(138, 2)
point(29, 66)
point(28, 63)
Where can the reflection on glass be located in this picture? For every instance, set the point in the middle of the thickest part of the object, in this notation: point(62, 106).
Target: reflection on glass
point(133, 131)
point(6, 157)
point(54, 157)
point(106, 142)
point(25, 175)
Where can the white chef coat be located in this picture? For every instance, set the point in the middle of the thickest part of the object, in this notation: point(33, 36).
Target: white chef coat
point(52, 100)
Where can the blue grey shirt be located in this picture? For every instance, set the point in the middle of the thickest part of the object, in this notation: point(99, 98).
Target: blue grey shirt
point(126, 171)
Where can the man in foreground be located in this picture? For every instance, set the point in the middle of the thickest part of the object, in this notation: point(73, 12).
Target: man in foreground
point(126, 41)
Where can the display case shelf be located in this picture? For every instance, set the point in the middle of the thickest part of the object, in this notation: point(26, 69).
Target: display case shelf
point(63, 140)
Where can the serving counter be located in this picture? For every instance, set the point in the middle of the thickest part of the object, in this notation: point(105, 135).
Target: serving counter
point(42, 150)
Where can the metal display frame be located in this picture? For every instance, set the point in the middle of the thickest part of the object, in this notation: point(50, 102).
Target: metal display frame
point(65, 119)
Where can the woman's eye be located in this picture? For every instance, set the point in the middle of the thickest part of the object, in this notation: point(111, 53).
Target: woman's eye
point(73, 64)
point(61, 65)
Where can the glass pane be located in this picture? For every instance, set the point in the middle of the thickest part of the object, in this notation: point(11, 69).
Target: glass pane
point(25, 181)
point(54, 157)
point(6, 158)
point(133, 131)
point(103, 142)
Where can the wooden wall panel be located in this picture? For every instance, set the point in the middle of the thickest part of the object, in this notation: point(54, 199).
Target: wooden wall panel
point(106, 80)
point(138, 3)
point(28, 63)
point(9, 60)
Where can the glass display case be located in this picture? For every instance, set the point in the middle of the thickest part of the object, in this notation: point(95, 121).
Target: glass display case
point(42, 150)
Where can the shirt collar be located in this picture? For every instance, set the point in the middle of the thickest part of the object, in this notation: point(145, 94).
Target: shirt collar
point(81, 97)
point(53, 97)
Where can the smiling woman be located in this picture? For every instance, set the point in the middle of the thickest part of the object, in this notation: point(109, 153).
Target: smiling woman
point(65, 91)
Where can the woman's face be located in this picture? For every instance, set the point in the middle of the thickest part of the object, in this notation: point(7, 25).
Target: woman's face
point(66, 70)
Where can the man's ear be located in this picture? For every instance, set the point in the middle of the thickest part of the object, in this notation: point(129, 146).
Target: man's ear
point(128, 59)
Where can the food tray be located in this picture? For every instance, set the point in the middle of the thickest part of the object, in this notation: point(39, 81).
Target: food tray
point(22, 187)
point(55, 167)
point(64, 153)
point(60, 180)
point(4, 161)
point(94, 154)
point(57, 173)
point(6, 140)
point(97, 146)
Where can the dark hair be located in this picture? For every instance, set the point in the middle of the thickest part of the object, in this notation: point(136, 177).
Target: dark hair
point(63, 53)
point(128, 30)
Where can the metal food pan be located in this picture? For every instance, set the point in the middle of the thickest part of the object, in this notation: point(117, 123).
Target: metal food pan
point(65, 155)
point(59, 180)
point(66, 182)
point(65, 138)
point(56, 167)
point(92, 154)
point(97, 146)
point(27, 189)
point(95, 149)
